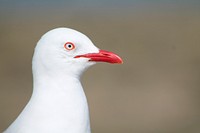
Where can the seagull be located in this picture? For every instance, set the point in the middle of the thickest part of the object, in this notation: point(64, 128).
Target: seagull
point(58, 103)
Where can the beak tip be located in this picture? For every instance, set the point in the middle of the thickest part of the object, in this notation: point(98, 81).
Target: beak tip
point(120, 62)
point(117, 59)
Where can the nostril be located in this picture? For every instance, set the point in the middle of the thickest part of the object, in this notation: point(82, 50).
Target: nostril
point(106, 54)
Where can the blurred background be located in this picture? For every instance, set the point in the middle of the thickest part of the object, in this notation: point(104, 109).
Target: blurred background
point(156, 90)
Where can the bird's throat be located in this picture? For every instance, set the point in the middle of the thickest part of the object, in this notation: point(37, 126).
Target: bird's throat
point(60, 104)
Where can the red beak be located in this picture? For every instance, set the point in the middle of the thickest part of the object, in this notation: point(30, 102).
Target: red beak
point(102, 56)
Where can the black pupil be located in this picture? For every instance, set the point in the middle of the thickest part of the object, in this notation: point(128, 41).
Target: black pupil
point(69, 46)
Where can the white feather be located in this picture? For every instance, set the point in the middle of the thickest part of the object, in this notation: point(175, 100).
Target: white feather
point(58, 103)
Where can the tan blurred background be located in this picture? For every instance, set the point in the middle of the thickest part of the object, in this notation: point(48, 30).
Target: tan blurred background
point(156, 90)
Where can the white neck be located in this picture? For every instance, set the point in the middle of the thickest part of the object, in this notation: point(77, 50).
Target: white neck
point(55, 107)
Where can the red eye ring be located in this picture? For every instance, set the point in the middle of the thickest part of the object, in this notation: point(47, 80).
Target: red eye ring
point(69, 46)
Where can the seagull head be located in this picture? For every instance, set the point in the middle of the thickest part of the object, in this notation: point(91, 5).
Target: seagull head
point(64, 50)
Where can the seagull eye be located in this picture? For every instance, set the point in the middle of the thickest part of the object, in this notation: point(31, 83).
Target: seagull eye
point(69, 46)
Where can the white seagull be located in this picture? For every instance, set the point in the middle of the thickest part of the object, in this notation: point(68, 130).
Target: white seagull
point(58, 103)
